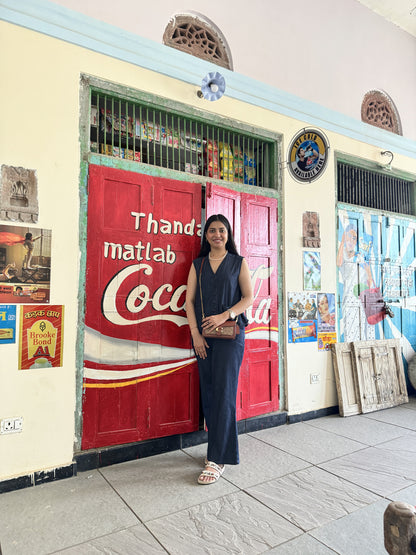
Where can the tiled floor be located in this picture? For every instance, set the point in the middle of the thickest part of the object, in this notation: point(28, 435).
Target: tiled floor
point(314, 488)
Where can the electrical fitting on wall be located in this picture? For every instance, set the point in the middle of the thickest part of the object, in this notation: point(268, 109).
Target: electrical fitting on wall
point(11, 425)
point(387, 166)
point(212, 87)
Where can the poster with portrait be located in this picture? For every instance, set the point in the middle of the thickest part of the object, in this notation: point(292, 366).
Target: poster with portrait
point(311, 271)
point(302, 312)
point(7, 324)
point(41, 336)
point(25, 264)
point(326, 321)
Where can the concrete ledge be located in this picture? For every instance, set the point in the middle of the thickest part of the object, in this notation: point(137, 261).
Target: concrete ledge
point(37, 478)
point(311, 415)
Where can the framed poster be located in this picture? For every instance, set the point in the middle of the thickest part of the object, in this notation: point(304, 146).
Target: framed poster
point(326, 321)
point(311, 271)
point(41, 337)
point(7, 324)
point(25, 264)
point(302, 317)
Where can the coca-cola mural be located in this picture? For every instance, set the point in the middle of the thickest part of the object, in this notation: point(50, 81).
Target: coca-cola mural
point(140, 373)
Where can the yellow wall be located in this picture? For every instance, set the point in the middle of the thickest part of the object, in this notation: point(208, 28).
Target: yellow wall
point(40, 130)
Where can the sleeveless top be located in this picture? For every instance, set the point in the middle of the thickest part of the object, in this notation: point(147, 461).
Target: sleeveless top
point(220, 291)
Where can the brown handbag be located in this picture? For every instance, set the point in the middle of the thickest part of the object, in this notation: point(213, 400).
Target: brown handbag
point(227, 330)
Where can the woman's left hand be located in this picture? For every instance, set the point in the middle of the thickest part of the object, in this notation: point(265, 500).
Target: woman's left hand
point(214, 321)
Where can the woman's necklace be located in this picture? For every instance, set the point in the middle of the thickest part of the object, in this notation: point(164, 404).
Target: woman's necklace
point(220, 258)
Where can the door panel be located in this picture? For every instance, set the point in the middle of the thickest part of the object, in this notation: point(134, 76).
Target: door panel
point(254, 221)
point(259, 246)
point(380, 374)
point(346, 379)
point(140, 375)
point(227, 202)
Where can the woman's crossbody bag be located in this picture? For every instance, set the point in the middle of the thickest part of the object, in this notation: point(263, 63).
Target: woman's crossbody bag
point(227, 330)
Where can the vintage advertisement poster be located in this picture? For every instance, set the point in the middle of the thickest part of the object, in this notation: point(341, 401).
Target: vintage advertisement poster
point(302, 311)
point(7, 324)
point(25, 264)
point(326, 321)
point(311, 271)
point(143, 233)
point(41, 336)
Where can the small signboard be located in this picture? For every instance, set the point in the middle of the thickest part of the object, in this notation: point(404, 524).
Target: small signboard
point(308, 155)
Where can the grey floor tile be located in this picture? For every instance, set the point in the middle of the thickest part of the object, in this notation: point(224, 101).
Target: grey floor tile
point(54, 516)
point(364, 430)
point(406, 495)
point(403, 443)
point(360, 533)
point(302, 545)
point(199, 452)
point(399, 416)
point(235, 523)
point(259, 462)
point(308, 442)
point(311, 497)
point(412, 401)
point(163, 484)
point(132, 541)
point(379, 470)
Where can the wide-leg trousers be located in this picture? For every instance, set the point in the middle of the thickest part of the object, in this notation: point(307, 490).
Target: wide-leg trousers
point(218, 377)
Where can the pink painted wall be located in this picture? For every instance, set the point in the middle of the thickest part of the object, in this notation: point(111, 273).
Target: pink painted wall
point(327, 52)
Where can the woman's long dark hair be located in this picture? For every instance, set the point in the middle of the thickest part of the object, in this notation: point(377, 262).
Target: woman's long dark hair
point(230, 245)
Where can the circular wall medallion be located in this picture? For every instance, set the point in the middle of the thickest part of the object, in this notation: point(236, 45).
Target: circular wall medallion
point(308, 155)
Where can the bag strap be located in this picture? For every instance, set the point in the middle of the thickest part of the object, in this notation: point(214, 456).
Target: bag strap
point(200, 288)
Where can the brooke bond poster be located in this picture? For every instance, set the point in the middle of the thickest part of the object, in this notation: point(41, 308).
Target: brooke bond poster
point(41, 336)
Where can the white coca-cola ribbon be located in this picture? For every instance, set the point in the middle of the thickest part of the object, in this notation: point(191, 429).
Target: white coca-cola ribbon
point(117, 375)
point(269, 334)
point(111, 350)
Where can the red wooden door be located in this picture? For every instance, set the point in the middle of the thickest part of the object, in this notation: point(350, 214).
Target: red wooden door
point(254, 221)
point(140, 375)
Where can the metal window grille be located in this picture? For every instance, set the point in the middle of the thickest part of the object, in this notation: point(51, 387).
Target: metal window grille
point(374, 190)
point(144, 134)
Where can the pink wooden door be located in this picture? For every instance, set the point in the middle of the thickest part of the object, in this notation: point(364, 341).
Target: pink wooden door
point(254, 221)
point(140, 376)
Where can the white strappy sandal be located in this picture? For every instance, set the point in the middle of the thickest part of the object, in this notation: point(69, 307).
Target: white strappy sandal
point(211, 476)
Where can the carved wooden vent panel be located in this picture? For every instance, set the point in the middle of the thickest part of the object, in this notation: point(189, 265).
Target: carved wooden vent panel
point(379, 110)
point(197, 37)
point(369, 375)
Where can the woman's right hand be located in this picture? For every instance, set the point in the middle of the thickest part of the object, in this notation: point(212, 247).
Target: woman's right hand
point(200, 345)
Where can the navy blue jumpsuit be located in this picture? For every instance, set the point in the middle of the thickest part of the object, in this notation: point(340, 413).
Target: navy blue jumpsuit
point(218, 373)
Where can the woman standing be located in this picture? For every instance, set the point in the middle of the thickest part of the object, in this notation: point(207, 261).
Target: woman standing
point(29, 243)
point(226, 293)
